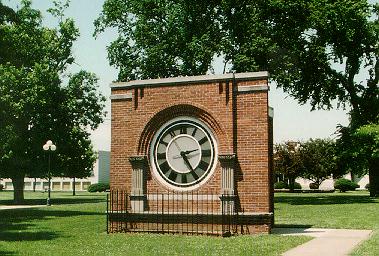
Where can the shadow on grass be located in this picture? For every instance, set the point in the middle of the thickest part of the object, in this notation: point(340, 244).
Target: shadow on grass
point(6, 253)
point(57, 201)
point(26, 236)
point(17, 224)
point(322, 199)
point(292, 226)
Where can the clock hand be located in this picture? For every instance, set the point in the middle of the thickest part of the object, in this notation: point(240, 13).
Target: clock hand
point(177, 146)
point(190, 151)
point(190, 156)
point(186, 161)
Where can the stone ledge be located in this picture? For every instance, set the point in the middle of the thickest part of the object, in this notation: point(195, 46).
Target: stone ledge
point(250, 76)
point(126, 96)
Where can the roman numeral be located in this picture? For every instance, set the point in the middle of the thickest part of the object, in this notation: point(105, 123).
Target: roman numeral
point(184, 178)
point(206, 152)
point(203, 165)
point(164, 167)
point(183, 130)
point(173, 176)
point(194, 132)
point(203, 140)
point(164, 143)
point(172, 133)
point(161, 155)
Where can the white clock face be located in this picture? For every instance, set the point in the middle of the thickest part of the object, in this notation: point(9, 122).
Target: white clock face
point(183, 153)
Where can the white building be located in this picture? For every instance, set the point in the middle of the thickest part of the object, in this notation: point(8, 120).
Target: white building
point(99, 175)
point(328, 184)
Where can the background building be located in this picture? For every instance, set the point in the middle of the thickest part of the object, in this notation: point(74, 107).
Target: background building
point(100, 175)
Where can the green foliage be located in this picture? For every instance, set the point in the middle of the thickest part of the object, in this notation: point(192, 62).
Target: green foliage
point(312, 49)
point(359, 152)
point(369, 135)
point(98, 187)
point(295, 185)
point(314, 185)
point(161, 38)
point(287, 161)
point(1, 187)
point(345, 185)
point(36, 104)
point(315, 50)
point(280, 185)
point(319, 159)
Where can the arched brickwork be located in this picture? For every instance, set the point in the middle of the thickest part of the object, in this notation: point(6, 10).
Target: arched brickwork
point(179, 110)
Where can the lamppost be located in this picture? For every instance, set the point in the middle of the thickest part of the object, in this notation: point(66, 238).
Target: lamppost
point(49, 146)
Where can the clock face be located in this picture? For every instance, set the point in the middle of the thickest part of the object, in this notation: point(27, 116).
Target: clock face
point(183, 153)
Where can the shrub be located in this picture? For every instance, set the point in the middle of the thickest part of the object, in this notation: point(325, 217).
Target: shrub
point(313, 185)
point(280, 185)
point(367, 186)
point(1, 187)
point(98, 187)
point(345, 185)
point(297, 185)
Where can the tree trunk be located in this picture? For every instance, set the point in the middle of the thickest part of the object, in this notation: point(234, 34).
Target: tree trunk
point(73, 187)
point(291, 184)
point(374, 177)
point(18, 190)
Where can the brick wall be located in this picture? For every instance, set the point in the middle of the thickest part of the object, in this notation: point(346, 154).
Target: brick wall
point(238, 119)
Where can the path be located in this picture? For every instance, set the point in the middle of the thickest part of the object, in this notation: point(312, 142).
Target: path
point(327, 242)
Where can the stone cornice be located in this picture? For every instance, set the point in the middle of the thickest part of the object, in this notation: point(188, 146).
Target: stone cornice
point(250, 76)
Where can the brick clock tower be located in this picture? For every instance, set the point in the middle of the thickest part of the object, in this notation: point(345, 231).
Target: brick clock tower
point(201, 135)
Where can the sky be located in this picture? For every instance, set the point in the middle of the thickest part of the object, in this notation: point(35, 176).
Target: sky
point(291, 120)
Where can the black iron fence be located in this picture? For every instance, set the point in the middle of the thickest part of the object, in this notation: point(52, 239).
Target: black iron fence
point(172, 212)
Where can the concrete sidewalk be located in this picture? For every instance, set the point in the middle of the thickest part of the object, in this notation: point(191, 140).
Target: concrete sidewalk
point(9, 207)
point(327, 242)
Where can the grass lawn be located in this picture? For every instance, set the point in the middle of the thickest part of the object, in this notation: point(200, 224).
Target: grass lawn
point(76, 226)
point(351, 210)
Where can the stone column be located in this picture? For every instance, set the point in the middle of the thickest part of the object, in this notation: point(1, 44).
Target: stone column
point(227, 162)
point(138, 197)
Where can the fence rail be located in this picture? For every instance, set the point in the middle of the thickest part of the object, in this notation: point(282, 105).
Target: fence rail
point(172, 212)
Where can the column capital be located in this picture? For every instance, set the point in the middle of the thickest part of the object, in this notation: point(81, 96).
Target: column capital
point(227, 159)
point(138, 162)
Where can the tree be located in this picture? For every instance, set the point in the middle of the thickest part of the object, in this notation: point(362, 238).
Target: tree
point(36, 105)
point(360, 153)
point(318, 159)
point(315, 50)
point(287, 161)
point(161, 38)
point(368, 135)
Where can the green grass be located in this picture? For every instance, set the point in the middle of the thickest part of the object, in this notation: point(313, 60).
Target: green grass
point(351, 210)
point(76, 226)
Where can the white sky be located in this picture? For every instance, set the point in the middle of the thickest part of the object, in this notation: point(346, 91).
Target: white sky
point(291, 120)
